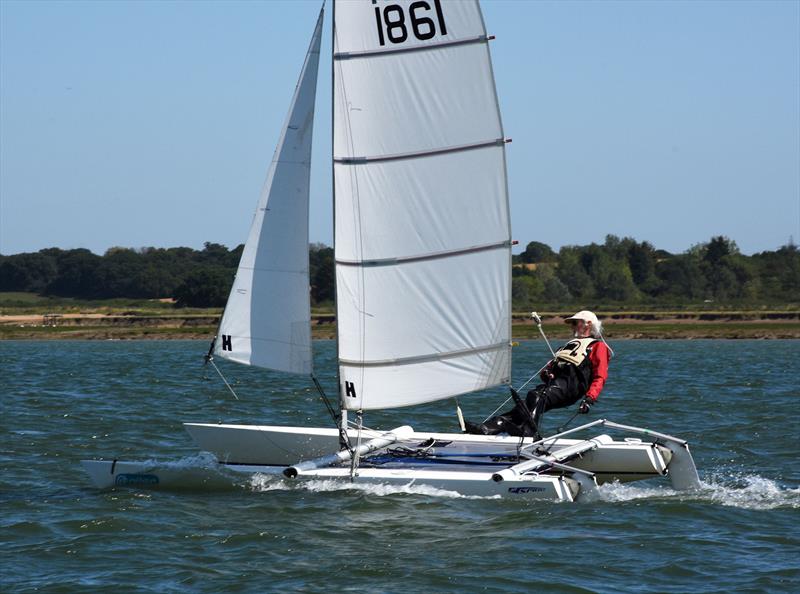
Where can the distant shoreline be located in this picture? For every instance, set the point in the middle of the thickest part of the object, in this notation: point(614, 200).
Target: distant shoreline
point(617, 325)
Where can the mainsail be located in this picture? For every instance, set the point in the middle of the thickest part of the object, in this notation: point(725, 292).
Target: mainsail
point(267, 320)
point(422, 230)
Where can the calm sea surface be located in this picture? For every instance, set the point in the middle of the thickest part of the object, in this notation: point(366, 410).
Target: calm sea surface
point(736, 402)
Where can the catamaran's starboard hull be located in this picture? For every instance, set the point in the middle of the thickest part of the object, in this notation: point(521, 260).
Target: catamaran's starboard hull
point(253, 445)
point(106, 474)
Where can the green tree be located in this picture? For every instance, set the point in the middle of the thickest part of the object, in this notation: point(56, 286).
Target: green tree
point(556, 292)
point(726, 271)
point(779, 273)
point(572, 273)
point(78, 275)
point(607, 269)
point(216, 254)
point(321, 273)
point(526, 291)
point(682, 277)
point(642, 263)
point(205, 287)
point(27, 272)
point(536, 251)
point(719, 248)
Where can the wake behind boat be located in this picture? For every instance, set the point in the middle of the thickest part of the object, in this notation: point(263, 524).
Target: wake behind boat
point(423, 243)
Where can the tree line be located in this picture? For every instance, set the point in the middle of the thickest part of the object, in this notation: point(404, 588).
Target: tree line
point(194, 278)
point(625, 271)
point(617, 272)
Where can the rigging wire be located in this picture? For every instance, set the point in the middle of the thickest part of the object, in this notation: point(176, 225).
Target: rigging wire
point(355, 457)
point(328, 405)
point(572, 418)
point(210, 359)
point(344, 439)
point(530, 379)
point(538, 320)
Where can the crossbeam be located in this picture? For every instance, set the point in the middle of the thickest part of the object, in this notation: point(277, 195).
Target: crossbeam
point(343, 456)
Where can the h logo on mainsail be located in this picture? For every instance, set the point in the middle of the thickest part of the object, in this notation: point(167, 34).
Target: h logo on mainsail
point(226, 342)
point(350, 389)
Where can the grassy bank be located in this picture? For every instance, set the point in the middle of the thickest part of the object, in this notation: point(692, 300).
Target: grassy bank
point(27, 316)
point(203, 327)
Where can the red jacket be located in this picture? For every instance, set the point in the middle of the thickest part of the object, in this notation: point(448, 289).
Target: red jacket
point(599, 358)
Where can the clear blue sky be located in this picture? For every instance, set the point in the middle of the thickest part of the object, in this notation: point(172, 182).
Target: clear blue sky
point(152, 123)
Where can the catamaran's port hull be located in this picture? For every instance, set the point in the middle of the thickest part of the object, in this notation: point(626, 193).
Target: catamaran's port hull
point(242, 445)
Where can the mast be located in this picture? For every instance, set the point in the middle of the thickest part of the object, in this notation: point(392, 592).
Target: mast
point(342, 409)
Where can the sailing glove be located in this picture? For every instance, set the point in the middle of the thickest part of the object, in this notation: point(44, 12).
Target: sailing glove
point(585, 406)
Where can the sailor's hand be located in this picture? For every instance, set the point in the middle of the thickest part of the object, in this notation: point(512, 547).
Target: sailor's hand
point(585, 406)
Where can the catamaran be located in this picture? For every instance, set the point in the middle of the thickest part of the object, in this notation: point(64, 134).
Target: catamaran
point(423, 244)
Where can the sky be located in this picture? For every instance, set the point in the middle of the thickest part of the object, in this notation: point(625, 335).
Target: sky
point(153, 123)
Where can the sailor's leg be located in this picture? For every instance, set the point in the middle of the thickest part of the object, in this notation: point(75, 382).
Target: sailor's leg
point(500, 424)
point(559, 398)
point(514, 422)
point(553, 396)
point(536, 401)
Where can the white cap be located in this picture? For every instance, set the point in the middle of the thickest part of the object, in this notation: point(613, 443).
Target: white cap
point(586, 316)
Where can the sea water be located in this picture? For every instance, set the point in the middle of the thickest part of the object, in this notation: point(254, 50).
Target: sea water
point(736, 402)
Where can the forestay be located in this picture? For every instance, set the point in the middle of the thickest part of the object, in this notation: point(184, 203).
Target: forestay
point(267, 320)
point(422, 226)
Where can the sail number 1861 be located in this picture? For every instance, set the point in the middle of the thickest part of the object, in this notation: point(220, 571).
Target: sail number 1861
point(393, 25)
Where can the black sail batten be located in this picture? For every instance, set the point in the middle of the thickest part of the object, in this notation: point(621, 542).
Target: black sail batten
point(419, 154)
point(412, 48)
point(424, 257)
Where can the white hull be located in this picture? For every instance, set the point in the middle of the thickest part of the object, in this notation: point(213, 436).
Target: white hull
point(283, 446)
point(107, 474)
point(468, 464)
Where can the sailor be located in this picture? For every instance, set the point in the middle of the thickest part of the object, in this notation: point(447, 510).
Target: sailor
point(578, 371)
